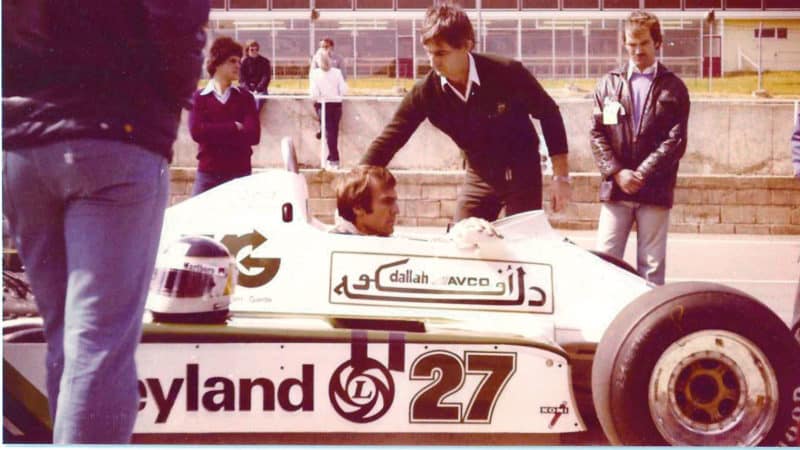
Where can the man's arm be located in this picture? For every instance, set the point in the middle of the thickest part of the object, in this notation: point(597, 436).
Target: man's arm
point(176, 31)
point(603, 153)
point(263, 81)
point(796, 147)
point(395, 135)
point(671, 150)
point(541, 106)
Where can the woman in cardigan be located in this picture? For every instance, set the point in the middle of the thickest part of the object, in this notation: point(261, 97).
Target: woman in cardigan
point(223, 120)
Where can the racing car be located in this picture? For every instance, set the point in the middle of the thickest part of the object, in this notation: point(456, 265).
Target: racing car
point(360, 336)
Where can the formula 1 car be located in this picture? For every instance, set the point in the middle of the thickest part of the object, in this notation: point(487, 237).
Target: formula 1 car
point(363, 336)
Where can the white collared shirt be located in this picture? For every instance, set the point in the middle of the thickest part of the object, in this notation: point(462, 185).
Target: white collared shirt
point(473, 78)
point(327, 86)
point(213, 87)
point(632, 68)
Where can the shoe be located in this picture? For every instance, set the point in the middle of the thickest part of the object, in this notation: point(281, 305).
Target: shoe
point(318, 135)
point(332, 165)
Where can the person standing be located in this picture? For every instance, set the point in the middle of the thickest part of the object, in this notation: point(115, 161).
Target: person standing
point(328, 45)
point(327, 87)
point(638, 137)
point(795, 144)
point(484, 104)
point(256, 72)
point(87, 140)
point(224, 120)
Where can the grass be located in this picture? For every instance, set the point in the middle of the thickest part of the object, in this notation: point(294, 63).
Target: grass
point(733, 85)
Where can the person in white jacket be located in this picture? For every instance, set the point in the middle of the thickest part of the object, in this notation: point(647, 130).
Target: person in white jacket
point(327, 87)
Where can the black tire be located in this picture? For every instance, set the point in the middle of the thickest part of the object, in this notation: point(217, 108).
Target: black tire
point(641, 333)
point(622, 264)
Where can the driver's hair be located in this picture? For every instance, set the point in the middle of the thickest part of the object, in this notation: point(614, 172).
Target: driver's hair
point(448, 23)
point(354, 190)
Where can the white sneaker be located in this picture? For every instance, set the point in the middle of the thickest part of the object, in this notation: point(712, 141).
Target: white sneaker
point(332, 165)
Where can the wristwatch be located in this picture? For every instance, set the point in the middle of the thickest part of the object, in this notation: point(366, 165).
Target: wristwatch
point(565, 178)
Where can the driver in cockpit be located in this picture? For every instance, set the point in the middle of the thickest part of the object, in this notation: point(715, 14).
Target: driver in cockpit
point(366, 201)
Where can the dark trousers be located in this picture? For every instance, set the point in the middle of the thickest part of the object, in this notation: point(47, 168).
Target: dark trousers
point(333, 115)
point(520, 191)
point(204, 181)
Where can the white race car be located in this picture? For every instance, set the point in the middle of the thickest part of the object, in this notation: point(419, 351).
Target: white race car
point(342, 335)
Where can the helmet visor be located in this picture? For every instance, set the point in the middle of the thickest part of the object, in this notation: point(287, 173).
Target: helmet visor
point(182, 283)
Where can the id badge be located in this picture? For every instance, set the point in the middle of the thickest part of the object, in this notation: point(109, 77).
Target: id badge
point(611, 111)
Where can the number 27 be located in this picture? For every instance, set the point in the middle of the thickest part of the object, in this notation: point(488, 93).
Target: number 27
point(447, 372)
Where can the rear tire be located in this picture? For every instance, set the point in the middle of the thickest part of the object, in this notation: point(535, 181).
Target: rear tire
point(697, 364)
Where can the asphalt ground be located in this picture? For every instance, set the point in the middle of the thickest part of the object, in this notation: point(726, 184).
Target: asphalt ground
point(764, 266)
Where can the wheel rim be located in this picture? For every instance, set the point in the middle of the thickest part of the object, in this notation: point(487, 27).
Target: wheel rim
point(713, 387)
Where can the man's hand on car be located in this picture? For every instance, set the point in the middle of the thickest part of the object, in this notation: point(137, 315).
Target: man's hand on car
point(471, 232)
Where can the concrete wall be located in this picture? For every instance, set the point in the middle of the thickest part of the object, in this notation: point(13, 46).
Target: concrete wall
point(725, 137)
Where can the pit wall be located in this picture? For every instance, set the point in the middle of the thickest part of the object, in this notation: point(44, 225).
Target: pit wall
point(734, 178)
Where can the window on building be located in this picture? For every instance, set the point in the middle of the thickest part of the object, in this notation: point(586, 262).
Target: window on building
point(539, 4)
point(466, 4)
point(662, 4)
point(333, 4)
point(499, 4)
point(248, 4)
point(781, 33)
point(765, 33)
point(217, 4)
point(781, 4)
point(374, 4)
point(581, 4)
point(612, 4)
point(703, 4)
point(754, 4)
point(291, 4)
point(414, 4)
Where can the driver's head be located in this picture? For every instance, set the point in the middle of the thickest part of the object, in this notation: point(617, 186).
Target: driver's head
point(366, 198)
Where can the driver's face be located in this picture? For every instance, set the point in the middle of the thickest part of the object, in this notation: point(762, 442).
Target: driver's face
point(379, 222)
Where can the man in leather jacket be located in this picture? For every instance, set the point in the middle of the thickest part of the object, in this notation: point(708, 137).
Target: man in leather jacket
point(87, 140)
point(639, 131)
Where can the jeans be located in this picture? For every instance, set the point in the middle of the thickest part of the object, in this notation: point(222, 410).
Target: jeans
point(333, 115)
point(204, 181)
point(86, 215)
point(652, 224)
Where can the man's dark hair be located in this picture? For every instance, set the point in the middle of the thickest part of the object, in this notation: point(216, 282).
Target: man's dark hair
point(644, 19)
point(448, 23)
point(223, 48)
point(355, 189)
point(328, 41)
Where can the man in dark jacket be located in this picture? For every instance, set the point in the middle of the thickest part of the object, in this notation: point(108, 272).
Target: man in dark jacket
point(484, 104)
point(87, 139)
point(256, 72)
point(638, 138)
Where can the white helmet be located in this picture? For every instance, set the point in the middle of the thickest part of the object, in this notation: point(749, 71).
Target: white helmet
point(192, 282)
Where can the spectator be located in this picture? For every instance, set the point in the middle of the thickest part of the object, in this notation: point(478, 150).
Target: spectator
point(87, 140)
point(484, 104)
point(327, 87)
point(637, 146)
point(327, 45)
point(366, 202)
point(256, 72)
point(223, 121)
point(796, 146)
point(796, 164)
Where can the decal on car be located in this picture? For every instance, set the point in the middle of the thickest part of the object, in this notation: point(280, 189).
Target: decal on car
point(367, 278)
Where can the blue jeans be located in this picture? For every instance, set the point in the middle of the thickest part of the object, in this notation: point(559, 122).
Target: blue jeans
point(652, 224)
point(86, 215)
point(204, 181)
point(333, 115)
